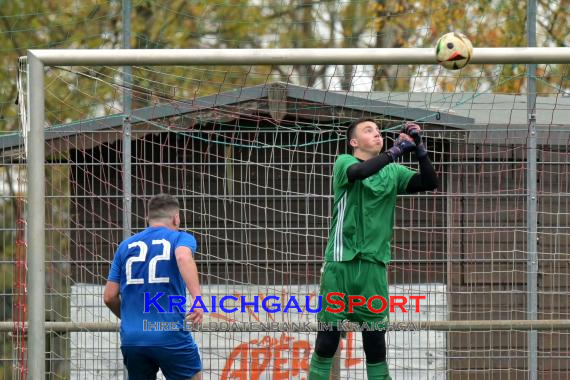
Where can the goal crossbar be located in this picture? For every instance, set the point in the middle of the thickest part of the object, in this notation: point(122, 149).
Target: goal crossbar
point(362, 56)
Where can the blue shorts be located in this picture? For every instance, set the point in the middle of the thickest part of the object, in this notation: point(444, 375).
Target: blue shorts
point(143, 362)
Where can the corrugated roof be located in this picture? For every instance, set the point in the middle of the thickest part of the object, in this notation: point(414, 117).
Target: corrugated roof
point(341, 100)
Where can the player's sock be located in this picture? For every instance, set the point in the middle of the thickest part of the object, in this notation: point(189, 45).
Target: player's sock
point(378, 371)
point(320, 368)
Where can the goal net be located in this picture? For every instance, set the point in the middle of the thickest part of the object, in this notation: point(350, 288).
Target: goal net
point(249, 151)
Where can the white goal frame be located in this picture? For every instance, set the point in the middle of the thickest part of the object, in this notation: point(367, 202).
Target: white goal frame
point(39, 59)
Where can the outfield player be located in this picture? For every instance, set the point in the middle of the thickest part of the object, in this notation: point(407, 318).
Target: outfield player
point(365, 186)
point(158, 259)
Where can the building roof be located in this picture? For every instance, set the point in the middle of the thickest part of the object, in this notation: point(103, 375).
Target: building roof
point(486, 117)
point(280, 99)
point(496, 117)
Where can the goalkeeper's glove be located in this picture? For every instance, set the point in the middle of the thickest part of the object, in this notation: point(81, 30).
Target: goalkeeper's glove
point(400, 147)
point(415, 132)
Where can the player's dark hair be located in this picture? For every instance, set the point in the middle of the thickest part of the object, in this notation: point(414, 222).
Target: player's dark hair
point(162, 206)
point(353, 125)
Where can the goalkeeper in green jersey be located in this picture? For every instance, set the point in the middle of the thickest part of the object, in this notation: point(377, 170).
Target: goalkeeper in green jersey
point(365, 186)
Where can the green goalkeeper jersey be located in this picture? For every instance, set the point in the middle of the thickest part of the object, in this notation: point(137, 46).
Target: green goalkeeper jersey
point(363, 212)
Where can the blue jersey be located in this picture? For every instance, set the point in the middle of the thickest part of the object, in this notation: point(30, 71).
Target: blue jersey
point(145, 263)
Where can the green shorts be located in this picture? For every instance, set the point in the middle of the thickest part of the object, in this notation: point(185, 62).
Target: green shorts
point(354, 278)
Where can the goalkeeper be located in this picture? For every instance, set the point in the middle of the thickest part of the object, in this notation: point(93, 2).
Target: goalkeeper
point(365, 186)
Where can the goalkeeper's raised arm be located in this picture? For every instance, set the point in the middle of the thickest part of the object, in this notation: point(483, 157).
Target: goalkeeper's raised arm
point(426, 179)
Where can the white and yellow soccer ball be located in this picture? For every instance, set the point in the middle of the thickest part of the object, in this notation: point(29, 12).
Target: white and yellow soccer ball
point(453, 51)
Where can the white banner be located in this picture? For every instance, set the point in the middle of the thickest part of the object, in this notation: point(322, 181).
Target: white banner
point(412, 354)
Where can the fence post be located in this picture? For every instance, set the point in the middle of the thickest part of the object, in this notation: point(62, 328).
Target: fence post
point(532, 226)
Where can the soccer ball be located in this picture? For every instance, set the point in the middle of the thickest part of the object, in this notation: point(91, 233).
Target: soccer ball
point(453, 50)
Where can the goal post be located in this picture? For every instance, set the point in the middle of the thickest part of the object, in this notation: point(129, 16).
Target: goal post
point(38, 60)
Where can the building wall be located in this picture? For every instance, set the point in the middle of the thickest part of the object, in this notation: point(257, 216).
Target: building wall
point(488, 260)
point(257, 211)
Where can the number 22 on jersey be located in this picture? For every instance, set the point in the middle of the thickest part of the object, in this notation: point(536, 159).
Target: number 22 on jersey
point(141, 257)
